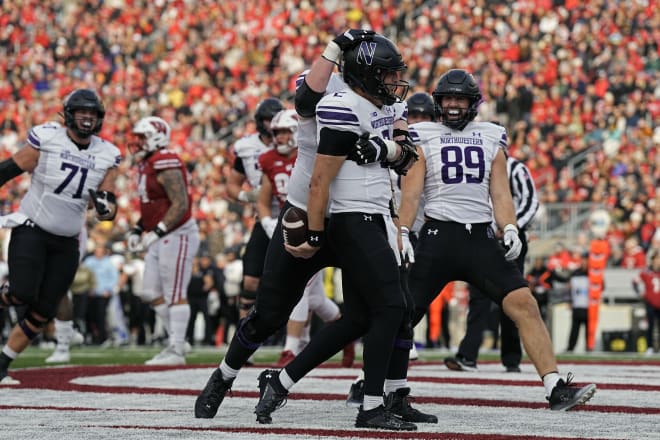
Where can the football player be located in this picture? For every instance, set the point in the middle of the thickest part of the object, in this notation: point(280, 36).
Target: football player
point(71, 167)
point(276, 165)
point(166, 231)
point(361, 233)
point(462, 172)
point(246, 170)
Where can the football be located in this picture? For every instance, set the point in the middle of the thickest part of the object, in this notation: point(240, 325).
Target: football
point(294, 226)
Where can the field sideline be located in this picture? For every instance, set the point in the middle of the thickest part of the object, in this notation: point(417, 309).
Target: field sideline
point(114, 395)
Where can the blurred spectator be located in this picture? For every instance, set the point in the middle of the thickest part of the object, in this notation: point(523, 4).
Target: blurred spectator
point(106, 275)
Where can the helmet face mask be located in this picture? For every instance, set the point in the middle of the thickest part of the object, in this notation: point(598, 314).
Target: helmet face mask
point(284, 125)
point(150, 134)
point(83, 113)
point(265, 111)
point(375, 66)
point(461, 84)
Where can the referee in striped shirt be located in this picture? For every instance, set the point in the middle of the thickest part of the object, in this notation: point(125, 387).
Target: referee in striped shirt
point(526, 204)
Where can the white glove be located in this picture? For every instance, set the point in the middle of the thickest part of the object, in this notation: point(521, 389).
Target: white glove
point(153, 236)
point(269, 223)
point(248, 196)
point(133, 241)
point(407, 251)
point(512, 243)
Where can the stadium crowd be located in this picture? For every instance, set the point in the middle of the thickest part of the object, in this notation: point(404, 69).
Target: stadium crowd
point(575, 83)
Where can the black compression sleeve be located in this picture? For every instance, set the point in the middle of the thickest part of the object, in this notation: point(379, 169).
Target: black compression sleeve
point(336, 142)
point(306, 100)
point(238, 165)
point(9, 170)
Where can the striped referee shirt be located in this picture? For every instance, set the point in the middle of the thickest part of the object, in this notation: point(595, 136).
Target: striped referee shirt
point(525, 199)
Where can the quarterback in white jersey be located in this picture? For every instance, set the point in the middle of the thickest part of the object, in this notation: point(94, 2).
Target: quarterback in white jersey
point(71, 167)
point(462, 170)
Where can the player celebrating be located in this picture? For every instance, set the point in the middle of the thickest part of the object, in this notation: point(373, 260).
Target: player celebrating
point(462, 173)
point(71, 166)
point(166, 231)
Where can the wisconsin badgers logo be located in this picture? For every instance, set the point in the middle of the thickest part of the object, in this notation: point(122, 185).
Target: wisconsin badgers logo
point(159, 126)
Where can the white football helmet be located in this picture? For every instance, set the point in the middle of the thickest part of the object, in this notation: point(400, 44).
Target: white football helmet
point(156, 133)
point(285, 120)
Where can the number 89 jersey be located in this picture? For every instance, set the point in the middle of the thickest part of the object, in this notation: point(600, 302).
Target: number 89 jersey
point(458, 166)
point(58, 195)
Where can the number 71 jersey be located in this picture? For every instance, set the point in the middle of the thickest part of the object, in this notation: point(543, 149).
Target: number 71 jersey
point(58, 195)
point(458, 167)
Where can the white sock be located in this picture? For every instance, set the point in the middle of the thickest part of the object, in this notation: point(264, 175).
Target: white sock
point(179, 317)
point(549, 382)
point(63, 334)
point(392, 385)
point(371, 402)
point(9, 352)
point(292, 344)
point(227, 371)
point(286, 380)
point(162, 310)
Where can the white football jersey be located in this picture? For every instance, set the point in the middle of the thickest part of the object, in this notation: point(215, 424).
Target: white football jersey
point(248, 149)
point(458, 167)
point(298, 191)
point(58, 195)
point(358, 188)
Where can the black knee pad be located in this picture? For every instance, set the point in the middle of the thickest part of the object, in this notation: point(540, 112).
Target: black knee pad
point(33, 320)
point(250, 295)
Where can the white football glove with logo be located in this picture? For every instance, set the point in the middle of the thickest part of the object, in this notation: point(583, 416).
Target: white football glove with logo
point(512, 243)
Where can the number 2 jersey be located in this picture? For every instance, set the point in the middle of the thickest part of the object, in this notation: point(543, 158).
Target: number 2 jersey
point(458, 167)
point(58, 196)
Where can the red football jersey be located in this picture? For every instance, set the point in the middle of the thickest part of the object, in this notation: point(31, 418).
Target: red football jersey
point(154, 202)
point(278, 170)
point(651, 282)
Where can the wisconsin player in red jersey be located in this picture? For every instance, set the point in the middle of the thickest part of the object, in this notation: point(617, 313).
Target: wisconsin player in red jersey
point(650, 278)
point(166, 231)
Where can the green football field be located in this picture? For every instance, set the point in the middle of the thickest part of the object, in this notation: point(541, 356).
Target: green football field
point(34, 357)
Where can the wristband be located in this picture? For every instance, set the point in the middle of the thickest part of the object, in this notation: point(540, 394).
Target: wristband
point(161, 229)
point(391, 149)
point(404, 230)
point(315, 238)
point(510, 227)
point(332, 52)
point(138, 229)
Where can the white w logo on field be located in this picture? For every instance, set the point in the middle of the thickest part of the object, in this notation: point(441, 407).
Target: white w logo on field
point(366, 53)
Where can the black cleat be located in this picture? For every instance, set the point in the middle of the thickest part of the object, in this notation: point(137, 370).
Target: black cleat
point(355, 394)
point(272, 396)
point(513, 369)
point(209, 400)
point(398, 403)
point(565, 397)
point(459, 363)
point(382, 418)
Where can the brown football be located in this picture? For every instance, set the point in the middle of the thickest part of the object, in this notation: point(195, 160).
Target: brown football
point(294, 226)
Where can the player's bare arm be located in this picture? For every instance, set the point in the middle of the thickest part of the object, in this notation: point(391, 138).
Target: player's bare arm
point(325, 169)
point(26, 158)
point(500, 193)
point(175, 187)
point(235, 184)
point(265, 198)
point(412, 185)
